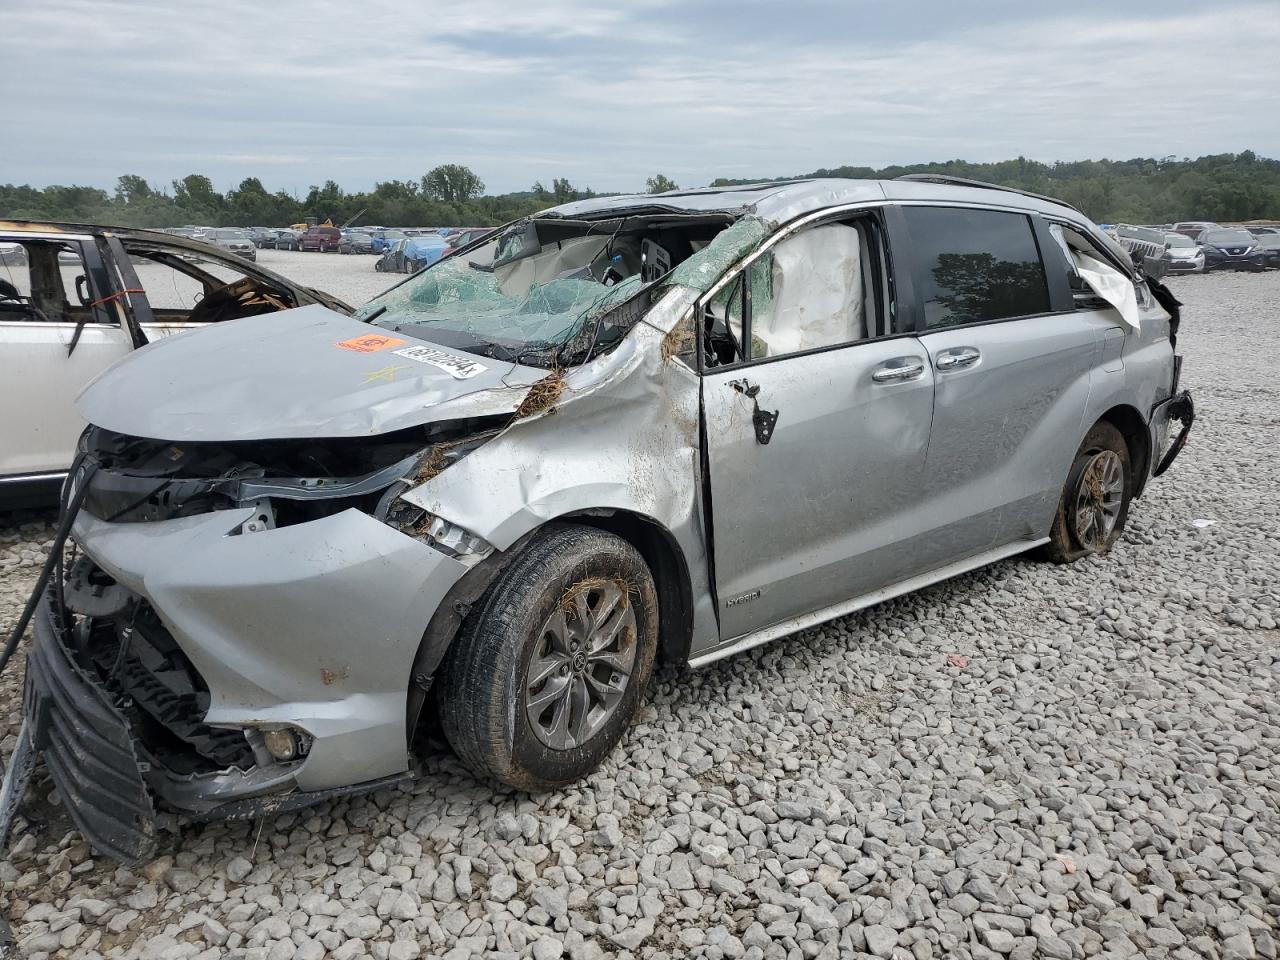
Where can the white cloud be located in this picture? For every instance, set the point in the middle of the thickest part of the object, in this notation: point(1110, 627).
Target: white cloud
point(608, 94)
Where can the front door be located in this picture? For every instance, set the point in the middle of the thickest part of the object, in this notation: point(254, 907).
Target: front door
point(53, 297)
point(821, 507)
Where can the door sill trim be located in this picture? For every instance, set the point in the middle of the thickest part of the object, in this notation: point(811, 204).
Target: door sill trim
point(846, 607)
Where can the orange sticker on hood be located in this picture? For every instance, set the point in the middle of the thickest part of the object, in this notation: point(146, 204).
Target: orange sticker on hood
point(369, 343)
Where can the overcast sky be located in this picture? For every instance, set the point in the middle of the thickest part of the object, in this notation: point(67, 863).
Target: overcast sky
point(608, 93)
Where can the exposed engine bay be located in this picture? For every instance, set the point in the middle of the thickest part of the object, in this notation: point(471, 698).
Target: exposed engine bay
point(291, 481)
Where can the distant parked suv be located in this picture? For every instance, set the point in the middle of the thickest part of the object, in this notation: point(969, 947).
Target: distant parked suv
point(321, 239)
point(1269, 244)
point(233, 240)
point(1232, 249)
point(1141, 242)
point(1194, 229)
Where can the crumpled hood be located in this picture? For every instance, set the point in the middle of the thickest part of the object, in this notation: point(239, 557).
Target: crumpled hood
point(308, 372)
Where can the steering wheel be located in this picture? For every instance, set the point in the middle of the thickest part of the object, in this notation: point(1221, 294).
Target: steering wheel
point(8, 291)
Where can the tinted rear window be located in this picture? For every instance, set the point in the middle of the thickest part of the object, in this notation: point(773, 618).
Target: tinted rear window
point(975, 265)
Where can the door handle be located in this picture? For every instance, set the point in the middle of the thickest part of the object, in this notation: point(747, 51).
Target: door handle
point(957, 358)
point(898, 369)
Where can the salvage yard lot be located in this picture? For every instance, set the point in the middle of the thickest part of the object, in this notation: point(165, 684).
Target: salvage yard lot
point(1027, 760)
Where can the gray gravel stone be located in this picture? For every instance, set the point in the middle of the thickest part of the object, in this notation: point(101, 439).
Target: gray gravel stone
point(1099, 779)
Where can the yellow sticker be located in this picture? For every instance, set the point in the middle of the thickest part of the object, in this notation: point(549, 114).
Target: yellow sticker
point(369, 343)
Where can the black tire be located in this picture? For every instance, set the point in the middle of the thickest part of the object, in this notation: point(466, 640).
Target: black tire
point(1065, 545)
point(483, 690)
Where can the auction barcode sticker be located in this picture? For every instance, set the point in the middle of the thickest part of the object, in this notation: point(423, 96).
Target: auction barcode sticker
point(460, 368)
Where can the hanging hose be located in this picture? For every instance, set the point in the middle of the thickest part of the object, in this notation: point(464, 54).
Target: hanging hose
point(54, 561)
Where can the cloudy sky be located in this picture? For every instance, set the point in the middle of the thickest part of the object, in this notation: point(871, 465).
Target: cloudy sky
point(609, 93)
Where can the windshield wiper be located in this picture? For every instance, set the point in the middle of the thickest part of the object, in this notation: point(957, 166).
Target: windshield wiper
point(375, 315)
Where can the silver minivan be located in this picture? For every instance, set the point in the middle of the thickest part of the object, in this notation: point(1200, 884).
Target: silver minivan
point(622, 430)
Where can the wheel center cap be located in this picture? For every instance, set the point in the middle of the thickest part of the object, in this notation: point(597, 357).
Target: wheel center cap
point(579, 662)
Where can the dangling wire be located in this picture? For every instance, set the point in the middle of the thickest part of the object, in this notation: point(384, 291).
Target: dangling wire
point(70, 508)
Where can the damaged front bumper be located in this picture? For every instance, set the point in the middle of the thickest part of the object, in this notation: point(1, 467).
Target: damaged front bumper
point(1179, 408)
point(195, 640)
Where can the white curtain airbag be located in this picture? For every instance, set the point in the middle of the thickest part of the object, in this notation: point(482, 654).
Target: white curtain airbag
point(817, 292)
point(1110, 284)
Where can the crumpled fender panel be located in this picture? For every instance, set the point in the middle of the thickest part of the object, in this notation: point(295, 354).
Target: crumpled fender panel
point(624, 429)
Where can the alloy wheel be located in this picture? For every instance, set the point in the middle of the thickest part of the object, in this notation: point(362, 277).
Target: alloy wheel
point(582, 662)
point(1098, 498)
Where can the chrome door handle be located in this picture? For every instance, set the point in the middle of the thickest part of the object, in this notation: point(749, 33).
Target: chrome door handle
point(898, 369)
point(957, 358)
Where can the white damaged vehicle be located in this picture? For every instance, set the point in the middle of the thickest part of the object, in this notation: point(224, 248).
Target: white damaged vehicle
point(625, 429)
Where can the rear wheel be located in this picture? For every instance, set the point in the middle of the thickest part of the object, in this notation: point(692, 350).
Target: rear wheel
point(1095, 501)
point(552, 665)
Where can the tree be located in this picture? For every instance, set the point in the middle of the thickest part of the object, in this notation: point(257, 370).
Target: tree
point(195, 189)
point(562, 191)
point(132, 188)
point(661, 183)
point(452, 183)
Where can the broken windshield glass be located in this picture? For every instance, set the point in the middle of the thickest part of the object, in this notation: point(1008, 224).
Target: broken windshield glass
point(730, 245)
point(464, 297)
point(533, 293)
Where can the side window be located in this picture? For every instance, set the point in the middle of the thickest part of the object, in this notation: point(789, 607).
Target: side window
point(821, 287)
point(175, 290)
point(44, 280)
point(1069, 246)
point(975, 265)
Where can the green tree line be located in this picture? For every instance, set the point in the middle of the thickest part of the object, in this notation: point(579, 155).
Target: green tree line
point(449, 195)
point(1222, 187)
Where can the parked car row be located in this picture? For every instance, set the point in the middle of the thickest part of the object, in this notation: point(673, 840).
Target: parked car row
point(1198, 246)
point(244, 241)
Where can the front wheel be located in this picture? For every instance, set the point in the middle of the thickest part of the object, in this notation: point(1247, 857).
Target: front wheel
point(1095, 501)
point(551, 666)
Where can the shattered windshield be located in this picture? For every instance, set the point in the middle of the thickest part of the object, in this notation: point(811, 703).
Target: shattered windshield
point(527, 293)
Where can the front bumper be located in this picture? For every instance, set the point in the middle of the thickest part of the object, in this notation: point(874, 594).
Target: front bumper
point(1243, 262)
point(88, 749)
point(313, 625)
point(111, 784)
point(1179, 408)
point(1186, 266)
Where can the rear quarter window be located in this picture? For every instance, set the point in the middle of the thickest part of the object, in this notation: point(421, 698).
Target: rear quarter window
point(974, 266)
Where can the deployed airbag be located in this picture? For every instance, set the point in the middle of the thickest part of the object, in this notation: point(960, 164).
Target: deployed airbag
point(1110, 284)
point(817, 292)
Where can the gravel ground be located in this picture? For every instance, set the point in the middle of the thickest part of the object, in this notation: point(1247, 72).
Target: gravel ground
point(1029, 761)
point(349, 277)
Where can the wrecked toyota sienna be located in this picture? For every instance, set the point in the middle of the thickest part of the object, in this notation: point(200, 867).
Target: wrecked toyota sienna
point(622, 430)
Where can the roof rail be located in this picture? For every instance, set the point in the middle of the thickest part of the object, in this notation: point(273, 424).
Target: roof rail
point(965, 182)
